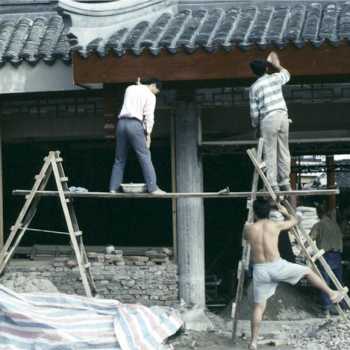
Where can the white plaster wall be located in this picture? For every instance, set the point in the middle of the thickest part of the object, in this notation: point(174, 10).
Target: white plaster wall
point(41, 77)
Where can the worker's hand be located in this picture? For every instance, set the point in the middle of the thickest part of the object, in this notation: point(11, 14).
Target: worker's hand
point(273, 59)
point(283, 210)
point(148, 141)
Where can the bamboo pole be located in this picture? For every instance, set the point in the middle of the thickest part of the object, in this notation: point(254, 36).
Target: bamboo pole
point(170, 195)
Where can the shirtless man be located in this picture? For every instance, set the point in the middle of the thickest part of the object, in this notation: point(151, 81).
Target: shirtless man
point(268, 267)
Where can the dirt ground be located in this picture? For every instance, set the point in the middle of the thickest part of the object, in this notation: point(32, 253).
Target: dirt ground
point(215, 341)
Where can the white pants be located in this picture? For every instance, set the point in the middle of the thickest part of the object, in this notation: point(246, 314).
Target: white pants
point(266, 277)
point(275, 132)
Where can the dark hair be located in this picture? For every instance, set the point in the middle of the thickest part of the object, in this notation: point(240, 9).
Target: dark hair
point(259, 67)
point(321, 210)
point(262, 207)
point(155, 81)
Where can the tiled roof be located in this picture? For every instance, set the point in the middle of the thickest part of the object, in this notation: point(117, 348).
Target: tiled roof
point(216, 28)
point(43, 36)
point(32, 38)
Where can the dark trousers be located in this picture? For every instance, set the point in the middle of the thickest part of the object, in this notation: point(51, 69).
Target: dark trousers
point(334, 261)
point(130, 132)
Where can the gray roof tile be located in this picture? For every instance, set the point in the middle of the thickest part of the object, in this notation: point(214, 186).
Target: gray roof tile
point(43, 36)
point(240, 26)
point(32, 38)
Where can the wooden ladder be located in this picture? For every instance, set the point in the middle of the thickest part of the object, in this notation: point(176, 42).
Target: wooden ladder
point(307, 245)
point(243, 264)
point(52, 165)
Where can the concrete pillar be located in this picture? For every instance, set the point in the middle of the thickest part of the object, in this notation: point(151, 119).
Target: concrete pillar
point(190, 211)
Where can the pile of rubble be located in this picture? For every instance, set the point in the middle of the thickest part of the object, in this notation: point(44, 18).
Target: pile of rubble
point(331, 335)
point(125, 275)
point(21, 284)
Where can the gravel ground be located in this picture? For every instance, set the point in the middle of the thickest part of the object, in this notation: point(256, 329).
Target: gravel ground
point(214, 341)
point(309, 334)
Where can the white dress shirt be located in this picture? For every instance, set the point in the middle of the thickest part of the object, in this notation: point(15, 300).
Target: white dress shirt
point(140, 103)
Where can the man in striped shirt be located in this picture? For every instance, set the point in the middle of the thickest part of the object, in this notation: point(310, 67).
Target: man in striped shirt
point(269, 114)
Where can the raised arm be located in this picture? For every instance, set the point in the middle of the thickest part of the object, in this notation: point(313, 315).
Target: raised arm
point(289, 220)
point(276, 66)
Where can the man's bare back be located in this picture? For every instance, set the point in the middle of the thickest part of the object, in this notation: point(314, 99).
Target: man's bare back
point(268, 268)
point(263, 237)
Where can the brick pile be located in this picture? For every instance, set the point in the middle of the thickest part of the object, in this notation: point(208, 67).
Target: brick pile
point(150, 279)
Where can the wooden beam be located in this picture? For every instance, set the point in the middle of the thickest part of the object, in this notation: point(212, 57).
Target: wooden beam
point(170, 195)
point(326, 61)
point(252, 142)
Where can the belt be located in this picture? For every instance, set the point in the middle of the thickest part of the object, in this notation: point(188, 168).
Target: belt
point(132, 118)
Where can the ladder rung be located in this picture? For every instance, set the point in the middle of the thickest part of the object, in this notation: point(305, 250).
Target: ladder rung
point(262, 165)
point(64, 179)
point(16, 227)
point(58, 159)
point(249, 204)
point(37, 177)
point(78, 233)
point(310, 250)
point(67, 200)
point(47, 231)
point(318, 255)
point(344, 291)
point(87, 266)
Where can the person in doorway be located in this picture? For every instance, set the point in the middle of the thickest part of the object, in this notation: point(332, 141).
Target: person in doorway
point(268, 267)
point(134, 127)
point(329, 237)
point(269, 116)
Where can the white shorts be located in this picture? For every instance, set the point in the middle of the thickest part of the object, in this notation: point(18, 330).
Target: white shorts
point(266, 277)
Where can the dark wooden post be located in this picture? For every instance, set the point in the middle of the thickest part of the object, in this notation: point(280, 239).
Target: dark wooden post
point(331, 181)
point(294, 180)
point(190, 212)
point(112, 98)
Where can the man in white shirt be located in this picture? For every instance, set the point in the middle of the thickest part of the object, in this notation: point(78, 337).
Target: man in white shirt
point(134, 127)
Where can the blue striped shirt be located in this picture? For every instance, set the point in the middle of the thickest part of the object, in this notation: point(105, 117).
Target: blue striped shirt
point(266, 95)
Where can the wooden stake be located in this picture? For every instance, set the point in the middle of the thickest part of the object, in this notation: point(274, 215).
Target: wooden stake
point(173, 182)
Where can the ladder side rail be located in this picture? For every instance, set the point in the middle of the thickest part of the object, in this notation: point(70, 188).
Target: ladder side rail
point(26, 214)
point(88, 268)
point(39, 185)
point(326, 267)
point(69, 224)
point(289, 207)
point(75, 224)
point(315, 268)
point(321, 259)
point(243, 264)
